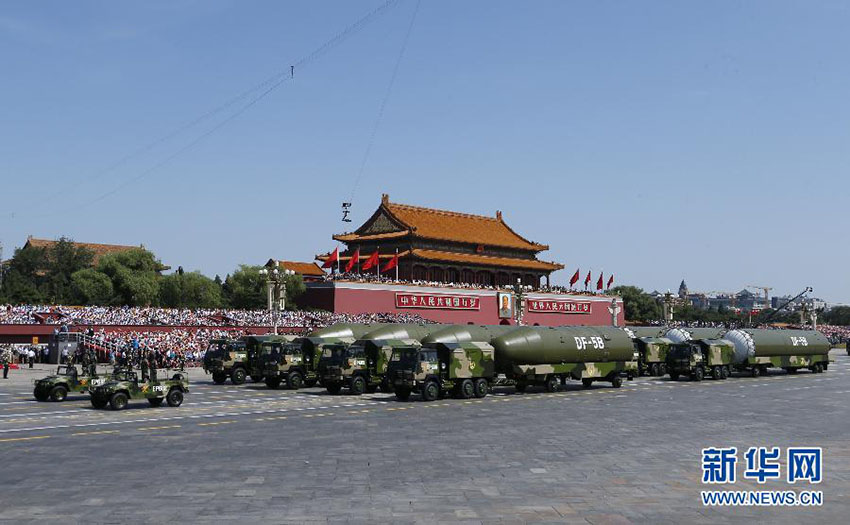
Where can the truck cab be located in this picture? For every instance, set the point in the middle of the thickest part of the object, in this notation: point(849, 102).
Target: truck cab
point(360, 367)
point(699, 358)
point(463, 370)
point(220, 358)
point(290, 360)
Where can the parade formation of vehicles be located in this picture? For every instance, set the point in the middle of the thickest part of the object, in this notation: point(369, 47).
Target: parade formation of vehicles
point(463, 361)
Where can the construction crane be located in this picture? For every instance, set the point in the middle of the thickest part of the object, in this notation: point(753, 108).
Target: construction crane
point(766, 290)
point(765, 319)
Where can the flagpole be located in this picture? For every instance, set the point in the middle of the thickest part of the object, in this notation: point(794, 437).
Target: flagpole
point(396, 264)
point(337, 260)
point(378, 251)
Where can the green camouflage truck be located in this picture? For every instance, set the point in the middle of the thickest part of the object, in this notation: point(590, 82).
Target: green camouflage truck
point(360, 366)
point(66, 379)
point(236, 359)
point(757, 350)
point(701, 358)
point(652, 355)
point(125, 386)
point(549, 356)
point(463, 370)
point(294, 361)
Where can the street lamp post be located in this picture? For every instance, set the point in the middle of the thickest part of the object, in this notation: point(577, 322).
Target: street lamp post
point(520, 301)
point(276, 288)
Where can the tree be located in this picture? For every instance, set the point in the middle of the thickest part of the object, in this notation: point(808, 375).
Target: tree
point(90, 286)
point(63, 259)
point(246, 288)
point(134, 275)
point(23, 276)
point(189, 290)
point(839, 315)
point(639, 305)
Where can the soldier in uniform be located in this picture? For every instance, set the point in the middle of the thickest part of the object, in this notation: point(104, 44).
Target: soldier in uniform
point(92, 361)
point(5, 358)
point(144, 366)
point(153, 365)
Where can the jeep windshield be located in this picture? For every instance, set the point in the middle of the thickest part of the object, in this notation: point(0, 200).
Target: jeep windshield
point(66, 371)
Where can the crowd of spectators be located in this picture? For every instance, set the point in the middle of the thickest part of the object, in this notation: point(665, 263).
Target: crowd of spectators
point(150, 316)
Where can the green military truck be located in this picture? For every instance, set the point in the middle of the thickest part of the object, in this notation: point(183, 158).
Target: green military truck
point(652, 355)
point(463, 370)
point(757, 350)
point(125, 385)
point(700, 358)
point(236, 359)
point(360, 367)
point(293, 361)
point(66, 379)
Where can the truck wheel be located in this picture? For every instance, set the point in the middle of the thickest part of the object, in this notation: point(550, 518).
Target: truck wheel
point(174, 397)
point(237, 377)
point(219, 378)
point(467, 389)
point(656, 371)
point(586, 382)
point(674, 376)
point(402, 393)
point(358, 385)
point(334, 388)
point(755, 371)
point(616, 381)
point(40, 394)
point(58, 393)
point(118, 401)
point(98, 402)
point(818, 368)
point(272, 381)
point(294, 380)
point(716, 374)
point(724, 372)
point(552, 384)
point(697, 374)
point(431, 391)
point(663, 368)
point(482, 387)
point(155, 401)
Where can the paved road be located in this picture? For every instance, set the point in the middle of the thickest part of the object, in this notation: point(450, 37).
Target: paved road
point(600, 456)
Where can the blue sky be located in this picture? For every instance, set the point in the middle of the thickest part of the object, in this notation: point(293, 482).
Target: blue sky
point(655, 140)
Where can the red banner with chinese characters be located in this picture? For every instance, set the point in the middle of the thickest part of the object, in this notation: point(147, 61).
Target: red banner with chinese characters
point(558, 306)
point(446, 302)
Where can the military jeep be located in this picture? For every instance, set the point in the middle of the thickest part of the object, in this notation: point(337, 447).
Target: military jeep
point(125, 385)
point(67, 379)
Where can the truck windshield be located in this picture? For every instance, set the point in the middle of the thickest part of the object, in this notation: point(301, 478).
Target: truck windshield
point(404, 355)
point(333, 352)
point(356, 351)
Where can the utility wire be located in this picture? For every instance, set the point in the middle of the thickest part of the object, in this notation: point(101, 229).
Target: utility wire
point(383, 106)
point(272, 82)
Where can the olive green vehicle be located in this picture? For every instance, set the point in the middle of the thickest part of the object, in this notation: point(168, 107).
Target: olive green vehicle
point(701, 358)
point(66, 379)
point(652, 355)
point(463, 370)
point(360, 367)
point(294, 361)
point(235, 359)
point(757, 350)
point(125, 385)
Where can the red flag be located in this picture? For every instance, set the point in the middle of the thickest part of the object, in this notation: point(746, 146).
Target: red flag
point(392, 263)
point(332, 259)
point(371, 261)
point(599, 282)
point(574, 279)
point(587, 279)
point(610, 281)
point(353, 261)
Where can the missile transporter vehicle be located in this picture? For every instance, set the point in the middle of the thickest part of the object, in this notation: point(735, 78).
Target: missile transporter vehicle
point(66, 379)
point(700, 358)
point(757, 350)
point(549, 356)
point(463, 370)
point(682, 334)
point(296, 362)
point(652, 355)
point(236, 359)
point(125, 386)
point(362, 365)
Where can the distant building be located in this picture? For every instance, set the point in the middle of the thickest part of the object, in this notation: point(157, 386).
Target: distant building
point(309, 271)
point(99, 250)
